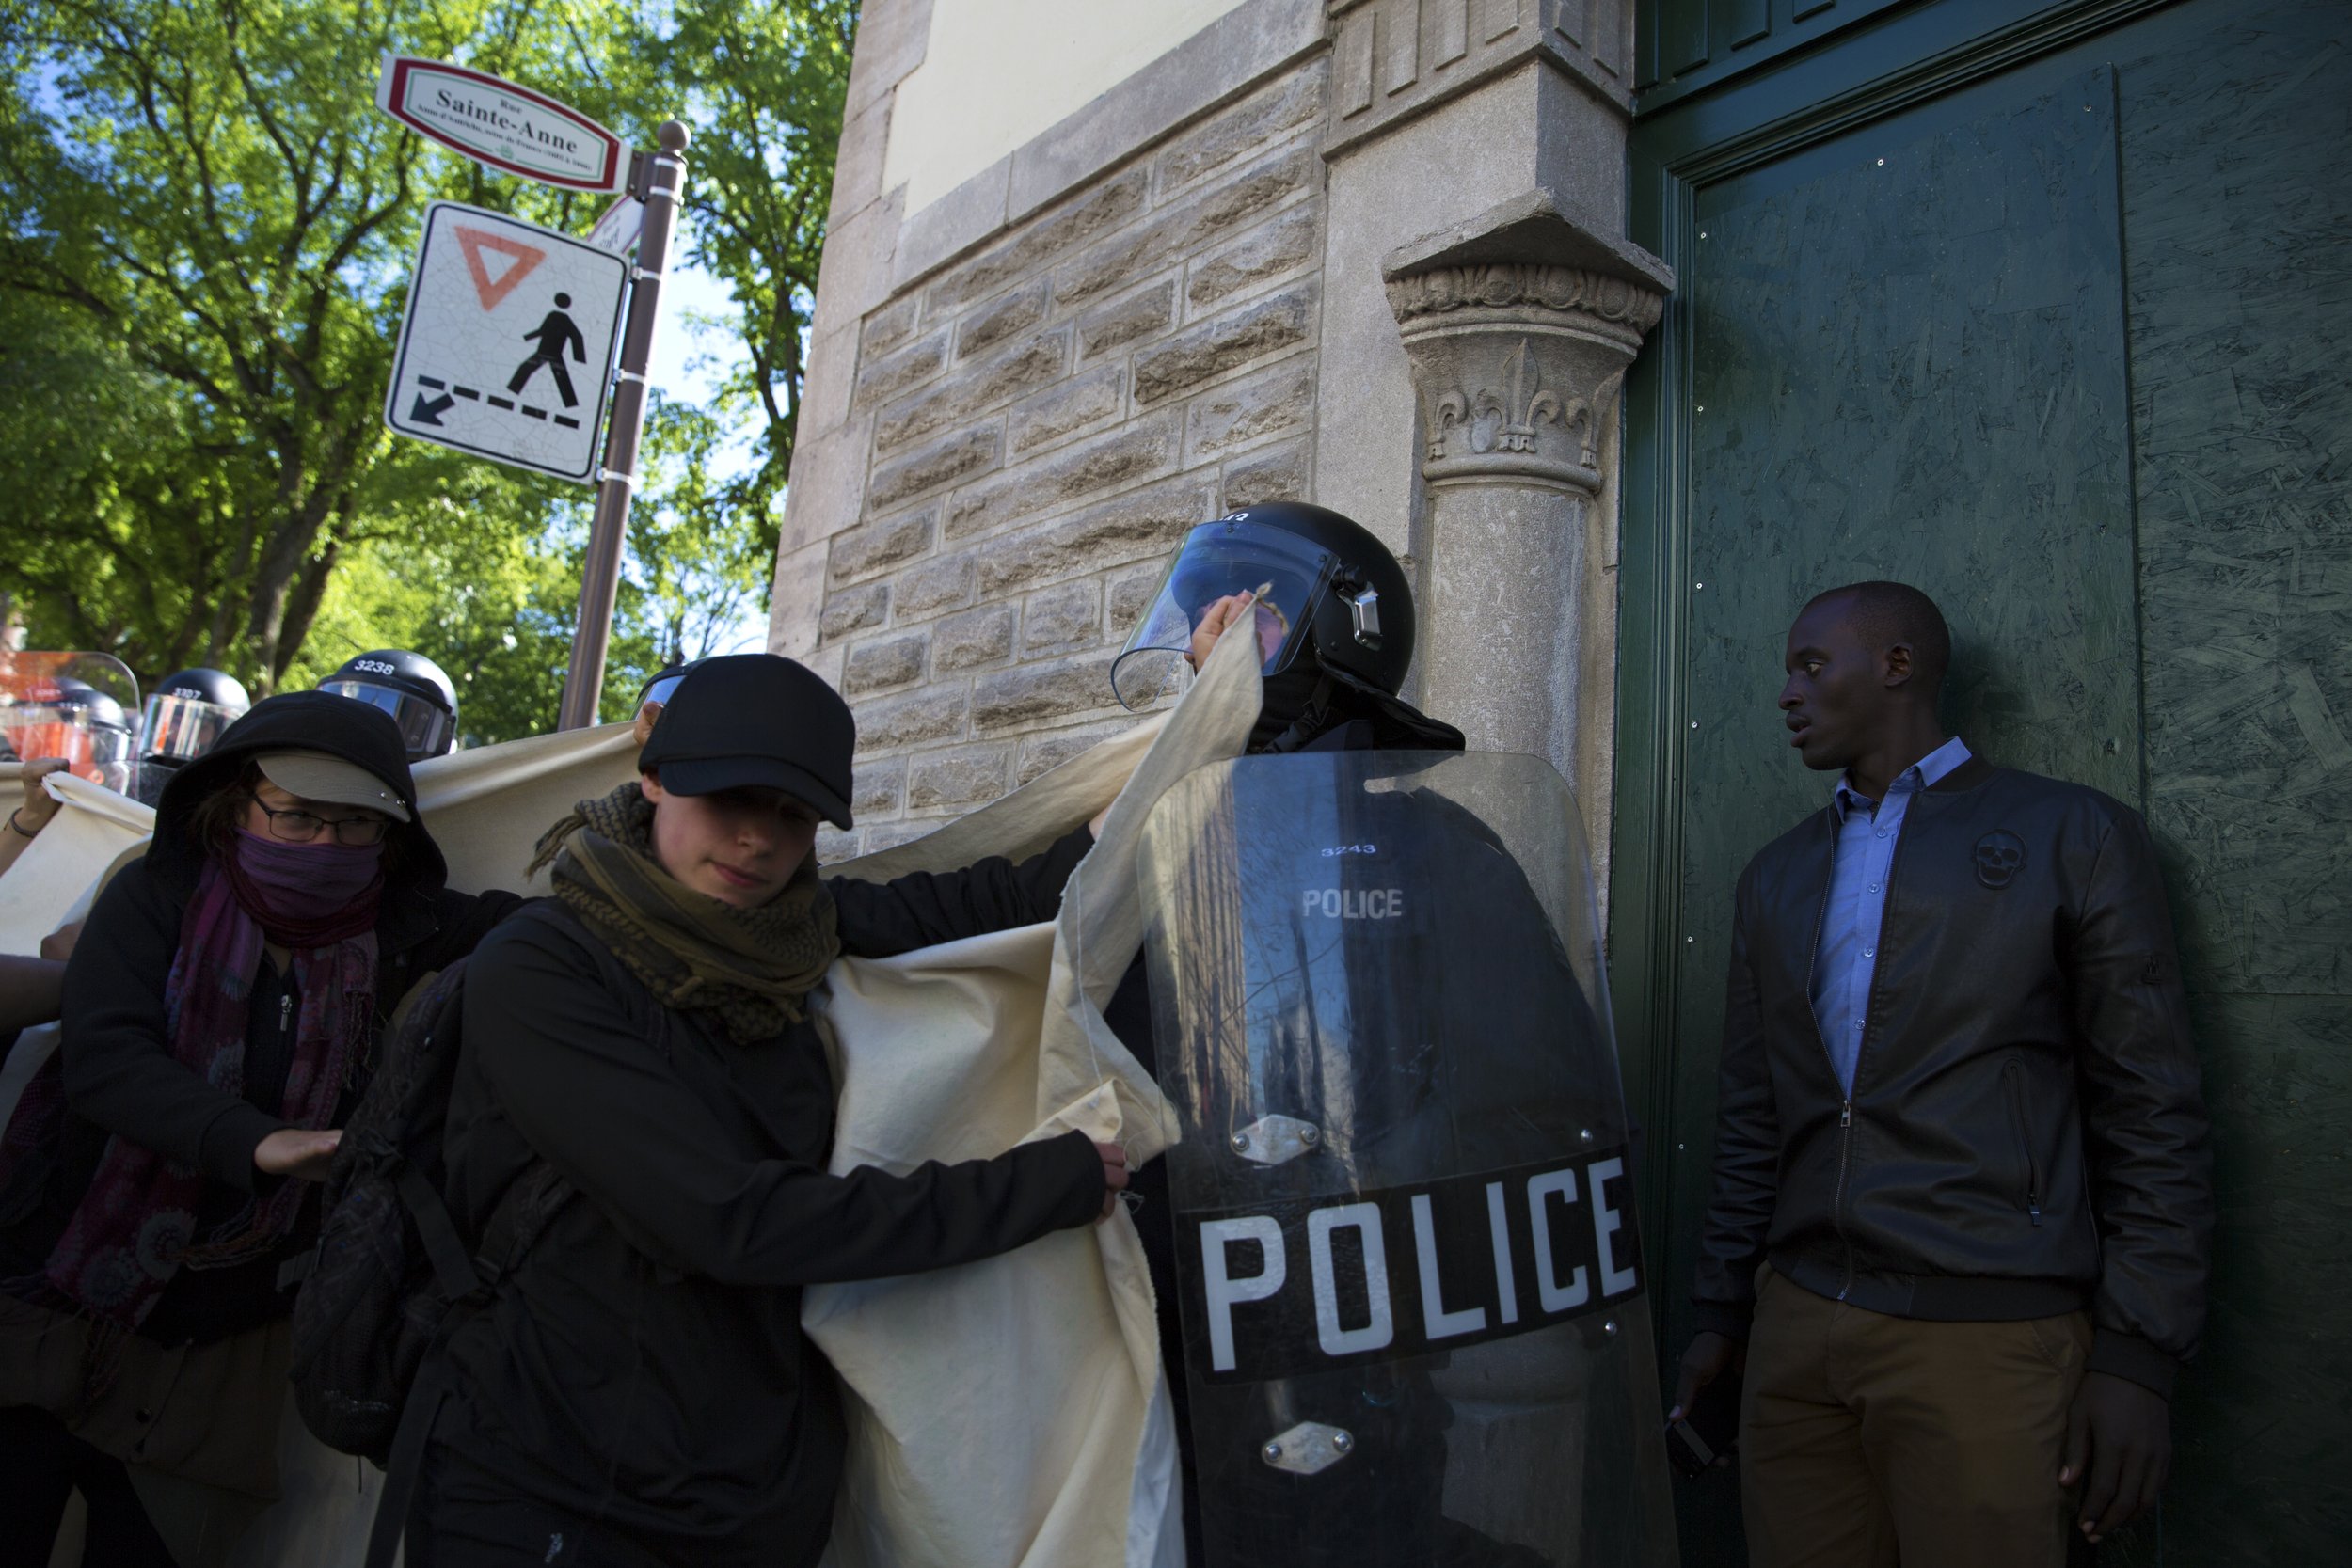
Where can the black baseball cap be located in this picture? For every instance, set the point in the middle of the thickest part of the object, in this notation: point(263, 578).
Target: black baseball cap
point(746, 721)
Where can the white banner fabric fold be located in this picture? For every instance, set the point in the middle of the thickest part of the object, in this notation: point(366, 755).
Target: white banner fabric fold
point(50, 881)
point(487, 808)
point(1011, 1413)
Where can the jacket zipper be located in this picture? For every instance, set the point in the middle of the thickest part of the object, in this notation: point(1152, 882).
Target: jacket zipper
point(1862, 1049)
point(1845, 1113)
point(2025, 1143)
point(285, 1011)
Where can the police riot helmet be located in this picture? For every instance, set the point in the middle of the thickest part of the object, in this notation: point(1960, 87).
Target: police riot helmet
point(107, 727)
point(1329, 597)
point(98, 711)
point(662, 683)
point(186, 713)
point(412, 688)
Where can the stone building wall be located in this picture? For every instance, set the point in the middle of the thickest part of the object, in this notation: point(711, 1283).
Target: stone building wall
point(1185, 296)
point(1042, 420)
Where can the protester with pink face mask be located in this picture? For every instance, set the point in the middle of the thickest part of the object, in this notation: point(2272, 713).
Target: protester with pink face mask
point(222, 1011)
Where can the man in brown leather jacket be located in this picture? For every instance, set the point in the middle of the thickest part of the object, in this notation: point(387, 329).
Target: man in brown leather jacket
point(1958, 1240)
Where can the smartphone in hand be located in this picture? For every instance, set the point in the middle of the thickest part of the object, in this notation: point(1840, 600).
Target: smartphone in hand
point(1709, 1431)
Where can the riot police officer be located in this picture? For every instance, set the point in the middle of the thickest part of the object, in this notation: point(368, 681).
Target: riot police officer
point(108, 743)
point(1332, 613)
point(416, 691)
point(655, 695)
point(186, 714)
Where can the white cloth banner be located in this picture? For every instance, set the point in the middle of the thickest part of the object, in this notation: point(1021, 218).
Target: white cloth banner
point(54, 878)
point(1011, 1413)
point(1008, 1414)
point(487, 808)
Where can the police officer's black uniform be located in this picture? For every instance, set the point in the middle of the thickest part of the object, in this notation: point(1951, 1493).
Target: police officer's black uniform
point(1340, 637)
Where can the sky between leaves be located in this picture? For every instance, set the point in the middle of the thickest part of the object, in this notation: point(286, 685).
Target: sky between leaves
point(200, 283)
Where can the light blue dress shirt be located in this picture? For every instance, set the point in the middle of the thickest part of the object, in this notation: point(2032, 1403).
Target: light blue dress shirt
point(1867, 832)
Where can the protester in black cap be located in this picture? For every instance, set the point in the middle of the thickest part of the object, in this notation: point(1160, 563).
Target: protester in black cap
point(220, 1017)
point(638, 1389)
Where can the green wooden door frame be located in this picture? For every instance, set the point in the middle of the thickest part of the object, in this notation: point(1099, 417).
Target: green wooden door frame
point(1894, 61)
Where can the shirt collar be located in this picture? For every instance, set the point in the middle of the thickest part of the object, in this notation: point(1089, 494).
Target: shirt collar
point(1924, 774)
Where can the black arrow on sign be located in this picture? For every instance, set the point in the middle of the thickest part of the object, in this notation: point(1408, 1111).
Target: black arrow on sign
point(430, 413)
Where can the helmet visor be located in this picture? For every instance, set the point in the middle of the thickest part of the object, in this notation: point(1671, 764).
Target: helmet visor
point(1220, 563)
point(184, 728)
point(96, 752)
point(424, 729)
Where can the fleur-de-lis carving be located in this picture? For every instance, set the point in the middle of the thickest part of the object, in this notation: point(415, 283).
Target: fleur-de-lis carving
point(1523, 402)
point(1446, 411)
point(1602, 397)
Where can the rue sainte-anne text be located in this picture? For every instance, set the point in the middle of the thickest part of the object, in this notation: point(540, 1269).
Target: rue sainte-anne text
point(524, 129)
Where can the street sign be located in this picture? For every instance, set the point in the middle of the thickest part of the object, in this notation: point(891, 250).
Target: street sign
point(620, 225)
point(508, 127)
point(507, 344)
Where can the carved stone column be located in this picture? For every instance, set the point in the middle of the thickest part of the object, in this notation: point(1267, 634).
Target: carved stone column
point(1519, 326)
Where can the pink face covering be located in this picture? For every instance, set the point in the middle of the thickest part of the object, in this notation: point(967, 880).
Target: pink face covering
point(307, 895)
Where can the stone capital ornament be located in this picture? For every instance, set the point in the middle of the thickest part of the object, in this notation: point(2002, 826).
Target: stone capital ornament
point(1519, 326)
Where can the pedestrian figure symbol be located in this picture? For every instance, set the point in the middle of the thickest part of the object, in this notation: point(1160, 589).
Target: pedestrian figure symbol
point(507, 342)
point(554, 334)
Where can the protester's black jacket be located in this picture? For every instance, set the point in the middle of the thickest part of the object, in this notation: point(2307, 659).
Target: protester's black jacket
point(2025, 1136)
point(643, 1365)
point(119, 1075)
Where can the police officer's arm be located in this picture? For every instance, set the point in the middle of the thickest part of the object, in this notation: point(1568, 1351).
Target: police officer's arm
point(575, 1078)
point(1747, 1150)
point(994, 895)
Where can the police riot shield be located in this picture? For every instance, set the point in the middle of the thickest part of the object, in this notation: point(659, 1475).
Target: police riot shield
point(80, 706)
point(1411, 1285)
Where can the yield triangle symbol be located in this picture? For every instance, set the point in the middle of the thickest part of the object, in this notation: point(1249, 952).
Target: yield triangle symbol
point(494, 278)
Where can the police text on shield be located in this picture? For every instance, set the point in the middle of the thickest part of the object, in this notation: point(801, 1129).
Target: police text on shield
point(1300, 1285)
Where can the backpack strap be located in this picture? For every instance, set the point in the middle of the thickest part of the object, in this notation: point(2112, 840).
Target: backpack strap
point(521, 1213)
point(534, 1198)
point(405, 1462)
point(650, 1017)
point(462, 1286)
point(453, 1270)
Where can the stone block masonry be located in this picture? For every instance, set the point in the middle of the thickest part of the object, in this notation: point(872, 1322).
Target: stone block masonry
point(1039, 419)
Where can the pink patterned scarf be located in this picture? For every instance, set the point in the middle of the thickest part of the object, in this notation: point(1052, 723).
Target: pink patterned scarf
point(136, 1227)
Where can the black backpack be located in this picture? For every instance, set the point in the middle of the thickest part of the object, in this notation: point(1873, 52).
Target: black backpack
point(393, 1273)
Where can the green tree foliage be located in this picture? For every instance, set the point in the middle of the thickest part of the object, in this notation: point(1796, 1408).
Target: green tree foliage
point(202, 281)
point(762, 84)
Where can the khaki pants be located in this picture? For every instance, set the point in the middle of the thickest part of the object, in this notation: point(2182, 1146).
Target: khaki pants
point(1868, 1441)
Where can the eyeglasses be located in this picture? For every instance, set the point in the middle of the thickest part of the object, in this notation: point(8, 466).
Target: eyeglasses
point(301, 827)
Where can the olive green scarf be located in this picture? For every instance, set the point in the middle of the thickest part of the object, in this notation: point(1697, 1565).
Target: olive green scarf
point(751, 968)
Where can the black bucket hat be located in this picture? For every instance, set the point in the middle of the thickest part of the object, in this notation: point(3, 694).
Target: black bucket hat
point(755, 721)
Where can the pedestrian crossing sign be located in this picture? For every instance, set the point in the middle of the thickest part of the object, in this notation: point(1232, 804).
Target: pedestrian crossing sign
point(506, 348)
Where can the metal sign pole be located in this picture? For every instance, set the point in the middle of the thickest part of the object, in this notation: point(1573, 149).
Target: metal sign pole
point(663, 183)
